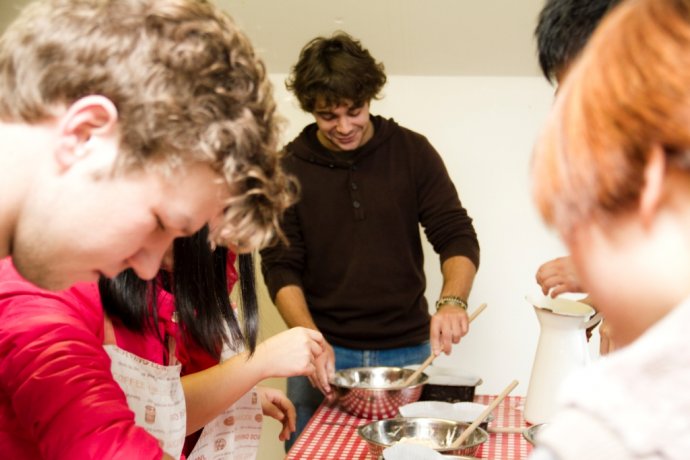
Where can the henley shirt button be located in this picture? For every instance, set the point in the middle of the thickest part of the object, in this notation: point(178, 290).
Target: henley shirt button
point(331, 166)
point(354, 186)
point(355, 204)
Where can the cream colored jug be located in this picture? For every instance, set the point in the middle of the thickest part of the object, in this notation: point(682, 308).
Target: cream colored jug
point(562, 348)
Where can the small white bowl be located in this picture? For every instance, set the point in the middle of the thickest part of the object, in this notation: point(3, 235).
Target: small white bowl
point(459, 412)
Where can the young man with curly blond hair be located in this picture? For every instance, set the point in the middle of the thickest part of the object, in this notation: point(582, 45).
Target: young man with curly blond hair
point(127, 123)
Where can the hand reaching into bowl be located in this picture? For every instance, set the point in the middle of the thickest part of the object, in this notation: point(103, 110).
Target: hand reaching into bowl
point(289, 353)
point(324, 371)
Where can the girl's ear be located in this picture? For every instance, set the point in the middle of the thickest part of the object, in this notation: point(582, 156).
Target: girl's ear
point(652, 191)
point(88, 117)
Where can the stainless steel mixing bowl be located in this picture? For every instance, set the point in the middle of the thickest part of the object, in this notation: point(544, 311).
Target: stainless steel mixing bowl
point(436, 433)
point(376, 392)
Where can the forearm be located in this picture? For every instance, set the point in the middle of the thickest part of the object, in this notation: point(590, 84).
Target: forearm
point(210, 392)
point(458, 276)
point(292, 306)
point(450, 322)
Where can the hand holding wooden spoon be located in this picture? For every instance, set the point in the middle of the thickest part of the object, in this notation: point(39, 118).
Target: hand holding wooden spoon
point(432, 356)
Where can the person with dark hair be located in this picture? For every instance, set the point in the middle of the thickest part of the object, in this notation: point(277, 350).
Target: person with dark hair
point(162, 350)
point(353, 268)
point(563, 29)
point(191, 306)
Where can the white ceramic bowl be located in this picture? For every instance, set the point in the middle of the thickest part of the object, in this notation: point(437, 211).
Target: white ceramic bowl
point(460, 411)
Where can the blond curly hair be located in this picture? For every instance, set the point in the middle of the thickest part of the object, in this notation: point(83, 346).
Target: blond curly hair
point(185, 80)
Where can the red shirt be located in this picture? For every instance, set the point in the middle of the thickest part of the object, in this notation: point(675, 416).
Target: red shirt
point(58, 399)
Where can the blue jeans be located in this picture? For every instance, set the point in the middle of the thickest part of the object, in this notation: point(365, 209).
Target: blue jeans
point(307, 398)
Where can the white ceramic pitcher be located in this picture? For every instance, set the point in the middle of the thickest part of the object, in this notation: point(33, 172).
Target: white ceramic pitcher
point(562, 348)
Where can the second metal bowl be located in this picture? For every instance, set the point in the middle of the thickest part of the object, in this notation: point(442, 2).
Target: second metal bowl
point(438, 434)
point(376, 392)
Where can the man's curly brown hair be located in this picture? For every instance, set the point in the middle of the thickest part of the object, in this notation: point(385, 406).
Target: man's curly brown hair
point(334, 70)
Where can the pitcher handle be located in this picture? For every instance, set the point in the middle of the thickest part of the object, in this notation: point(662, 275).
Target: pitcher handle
point(593, 320)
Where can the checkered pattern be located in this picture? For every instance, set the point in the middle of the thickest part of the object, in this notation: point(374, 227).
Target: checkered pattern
point(377, 404)
point(505, 446)
point(332, 435)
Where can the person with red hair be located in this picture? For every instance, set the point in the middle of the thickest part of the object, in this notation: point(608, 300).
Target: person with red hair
point(612, 175)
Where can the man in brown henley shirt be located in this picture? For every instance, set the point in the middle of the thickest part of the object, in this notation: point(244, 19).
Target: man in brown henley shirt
point(353, 268)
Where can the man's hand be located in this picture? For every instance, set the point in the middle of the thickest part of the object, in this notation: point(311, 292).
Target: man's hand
point(448, 326)
point(558, 276)
point(325, 370)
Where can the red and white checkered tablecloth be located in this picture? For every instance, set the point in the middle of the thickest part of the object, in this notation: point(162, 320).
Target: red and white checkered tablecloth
point(332, 434)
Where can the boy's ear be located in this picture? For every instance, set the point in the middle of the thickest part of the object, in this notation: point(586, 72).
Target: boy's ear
point(653, 188)
point(88, 117)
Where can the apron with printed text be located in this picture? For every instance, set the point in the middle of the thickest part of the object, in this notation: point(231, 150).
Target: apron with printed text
point(234, 434)
point(154, 393)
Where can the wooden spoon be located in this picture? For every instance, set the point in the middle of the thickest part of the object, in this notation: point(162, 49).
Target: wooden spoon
point(432, 356)
point(477, 421)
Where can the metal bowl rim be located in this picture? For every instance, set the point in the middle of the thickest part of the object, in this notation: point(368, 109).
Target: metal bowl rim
point(423, 379)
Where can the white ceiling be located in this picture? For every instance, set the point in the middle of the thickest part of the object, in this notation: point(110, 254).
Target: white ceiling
point(411, 37)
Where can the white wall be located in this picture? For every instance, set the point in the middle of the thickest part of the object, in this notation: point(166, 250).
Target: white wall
point(484, 127)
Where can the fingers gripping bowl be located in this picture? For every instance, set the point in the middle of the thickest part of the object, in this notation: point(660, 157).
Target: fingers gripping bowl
point(376, 392)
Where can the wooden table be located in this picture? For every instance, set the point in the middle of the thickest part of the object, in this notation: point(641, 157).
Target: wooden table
point(331, 434)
